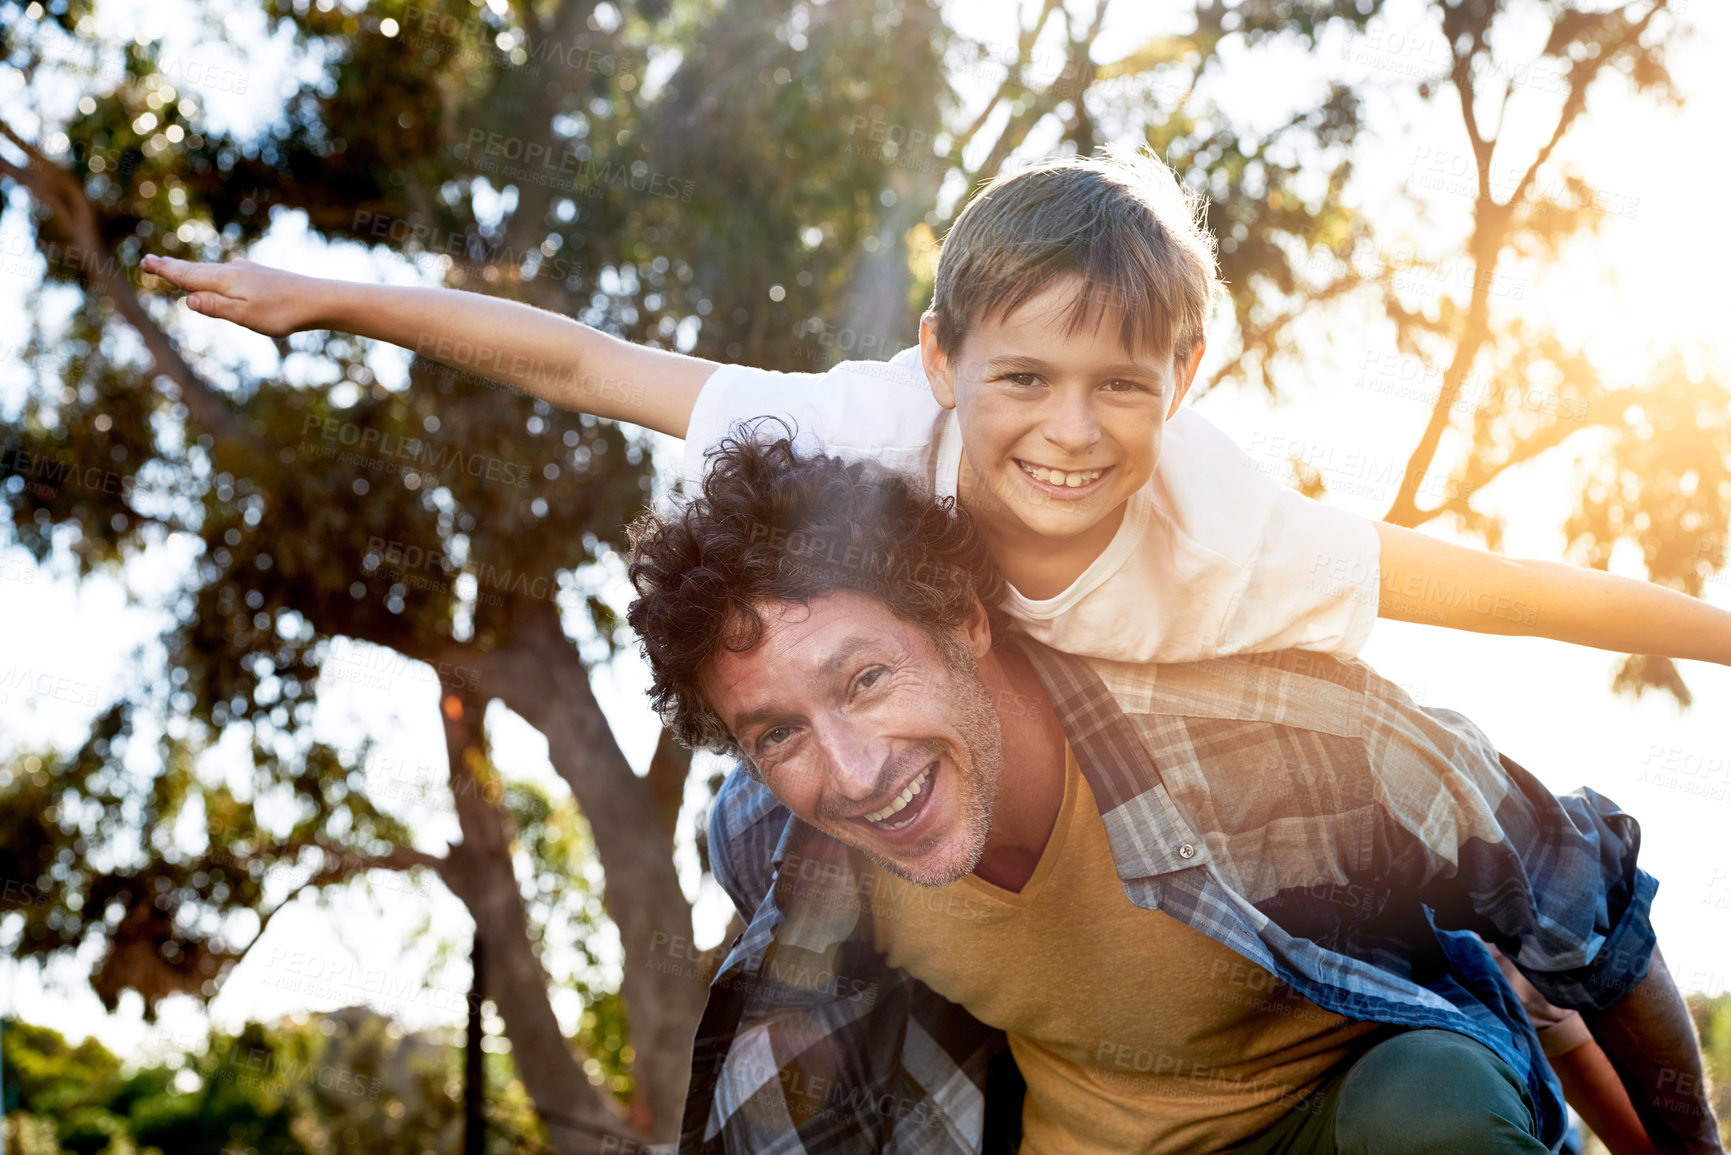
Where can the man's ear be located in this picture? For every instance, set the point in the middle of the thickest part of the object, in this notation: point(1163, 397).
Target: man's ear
point(977, 630)
point(1186, 377)
point(940, 375)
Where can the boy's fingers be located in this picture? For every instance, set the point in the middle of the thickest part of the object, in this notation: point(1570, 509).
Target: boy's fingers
point(186, 274)
point(216, 305)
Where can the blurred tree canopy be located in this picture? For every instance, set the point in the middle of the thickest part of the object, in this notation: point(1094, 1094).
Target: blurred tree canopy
point(345, 1083)
point(754, 180)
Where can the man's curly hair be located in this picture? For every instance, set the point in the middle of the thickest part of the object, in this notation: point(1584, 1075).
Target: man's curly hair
point(776, 524)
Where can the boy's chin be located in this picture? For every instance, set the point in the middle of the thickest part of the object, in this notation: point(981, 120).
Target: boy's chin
point(1059, 521)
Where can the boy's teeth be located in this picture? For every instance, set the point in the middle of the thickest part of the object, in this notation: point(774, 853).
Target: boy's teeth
point(1059, 477)
point(902, 799)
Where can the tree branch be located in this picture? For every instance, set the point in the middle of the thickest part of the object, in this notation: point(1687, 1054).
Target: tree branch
point(60, 192)
point(1581, 75)
point(1542, 441)
point(542, 678)
point(341, 865)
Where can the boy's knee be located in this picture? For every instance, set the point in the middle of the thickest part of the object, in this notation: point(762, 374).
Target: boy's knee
point(1432, 1091)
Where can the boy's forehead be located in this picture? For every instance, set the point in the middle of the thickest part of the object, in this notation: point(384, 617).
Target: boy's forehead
point(1067, 310)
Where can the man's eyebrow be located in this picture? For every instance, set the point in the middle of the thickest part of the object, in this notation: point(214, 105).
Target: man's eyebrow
point(846, 653)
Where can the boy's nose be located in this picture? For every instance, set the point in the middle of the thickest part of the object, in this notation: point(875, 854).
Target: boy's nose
point(1071, 426)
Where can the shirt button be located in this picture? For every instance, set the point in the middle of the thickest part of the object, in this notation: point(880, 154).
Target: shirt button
point(1186, 851)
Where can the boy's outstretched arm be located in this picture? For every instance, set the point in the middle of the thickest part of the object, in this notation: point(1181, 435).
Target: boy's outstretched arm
point(552, 357)
point(1436, 583)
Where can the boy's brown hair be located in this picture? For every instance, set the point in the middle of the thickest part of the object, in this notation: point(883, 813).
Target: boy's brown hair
point(1119, 221)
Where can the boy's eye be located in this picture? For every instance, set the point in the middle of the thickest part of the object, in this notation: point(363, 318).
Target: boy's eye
point(1118, 385)
point(1027, 380)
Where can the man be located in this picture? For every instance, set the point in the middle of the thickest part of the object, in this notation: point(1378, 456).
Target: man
point(1228, 904)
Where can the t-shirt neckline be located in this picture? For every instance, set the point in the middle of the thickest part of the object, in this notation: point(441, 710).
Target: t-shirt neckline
point(1074, 785)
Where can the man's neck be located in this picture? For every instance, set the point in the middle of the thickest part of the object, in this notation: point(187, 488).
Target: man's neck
point(1031, 782)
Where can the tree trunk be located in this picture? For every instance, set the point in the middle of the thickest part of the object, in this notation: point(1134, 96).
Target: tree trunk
point(542, 678)
point(878, 312)
point(481, 874)
point(474, 1059)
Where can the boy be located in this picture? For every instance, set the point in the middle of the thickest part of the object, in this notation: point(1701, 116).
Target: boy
point(1066, 327)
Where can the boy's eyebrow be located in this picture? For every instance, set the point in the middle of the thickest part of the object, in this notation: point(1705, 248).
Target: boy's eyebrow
point(1006, 361)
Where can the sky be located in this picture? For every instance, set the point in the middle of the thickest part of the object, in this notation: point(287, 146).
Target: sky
point(1651, 282)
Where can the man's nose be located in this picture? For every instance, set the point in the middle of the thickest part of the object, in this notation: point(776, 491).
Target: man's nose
point(856, 757)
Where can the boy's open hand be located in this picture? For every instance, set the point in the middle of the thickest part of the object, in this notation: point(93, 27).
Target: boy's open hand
point(267, 301)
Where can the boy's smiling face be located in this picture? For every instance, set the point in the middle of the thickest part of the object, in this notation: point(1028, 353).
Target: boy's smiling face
point(1061, 425)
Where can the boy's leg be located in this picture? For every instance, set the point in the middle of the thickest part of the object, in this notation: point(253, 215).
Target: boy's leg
point(1422, 1092)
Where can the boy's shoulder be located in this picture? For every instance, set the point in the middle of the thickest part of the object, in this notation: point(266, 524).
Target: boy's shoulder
point(1208, 486)
point(881, 410)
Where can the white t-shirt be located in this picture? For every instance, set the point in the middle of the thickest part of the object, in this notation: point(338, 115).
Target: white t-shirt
point(1213, 556)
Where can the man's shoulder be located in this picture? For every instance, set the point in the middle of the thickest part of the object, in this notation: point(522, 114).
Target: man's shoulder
point(1293, 687)
point(745, 825)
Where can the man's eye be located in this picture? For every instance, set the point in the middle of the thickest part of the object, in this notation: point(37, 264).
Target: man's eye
point(774, 737)
point(867, 679)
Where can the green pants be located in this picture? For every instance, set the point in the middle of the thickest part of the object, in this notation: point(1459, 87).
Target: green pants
point(1421, 1092)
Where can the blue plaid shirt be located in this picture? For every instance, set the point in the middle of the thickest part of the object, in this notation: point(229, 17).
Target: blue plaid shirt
point(1298, 808)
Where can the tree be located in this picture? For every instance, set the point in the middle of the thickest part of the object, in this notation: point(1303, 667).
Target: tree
point(1291, 242)
point(347, 1082)
point(329, 510)
point(1663, 483)
point(760, 181)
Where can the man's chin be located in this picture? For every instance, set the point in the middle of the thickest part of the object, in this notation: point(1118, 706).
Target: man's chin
point(935, 862)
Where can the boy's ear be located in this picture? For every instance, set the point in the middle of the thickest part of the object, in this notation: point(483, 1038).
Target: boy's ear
point(940, 375)
point(1186, 377)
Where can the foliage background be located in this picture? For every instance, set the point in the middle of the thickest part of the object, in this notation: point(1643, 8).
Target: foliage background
point(336, 544)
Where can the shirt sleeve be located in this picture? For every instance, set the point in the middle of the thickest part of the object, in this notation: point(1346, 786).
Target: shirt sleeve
point(737, 393)
point(879, 411)
point(745, 824)
point(1304, 575)
point(1312, 583)
point(1550, 880)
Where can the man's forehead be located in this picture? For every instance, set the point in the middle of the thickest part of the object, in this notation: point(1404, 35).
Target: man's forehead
point(797, 645)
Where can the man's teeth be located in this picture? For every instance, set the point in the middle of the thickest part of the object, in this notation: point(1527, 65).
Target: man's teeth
point(1059, 477)
point(902, 799)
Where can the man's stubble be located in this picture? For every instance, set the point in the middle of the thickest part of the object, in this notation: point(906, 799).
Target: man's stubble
point(976, 721)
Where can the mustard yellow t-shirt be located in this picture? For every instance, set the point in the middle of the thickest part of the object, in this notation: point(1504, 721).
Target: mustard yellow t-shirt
point(1134, 1031)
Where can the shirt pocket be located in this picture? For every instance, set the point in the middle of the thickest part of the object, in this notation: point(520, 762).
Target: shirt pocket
point(1280, 806)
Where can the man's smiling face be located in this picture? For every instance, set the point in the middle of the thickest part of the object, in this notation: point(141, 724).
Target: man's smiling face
point(869, 729)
